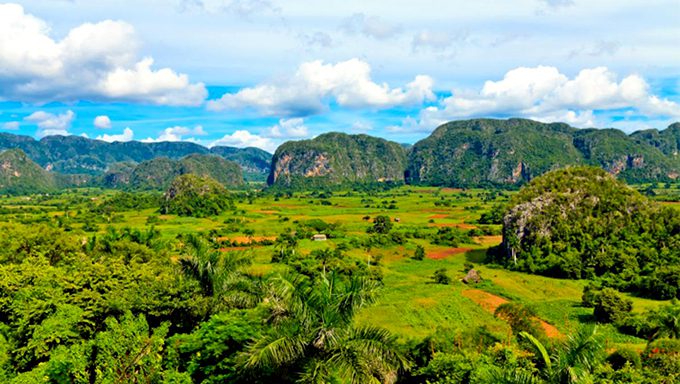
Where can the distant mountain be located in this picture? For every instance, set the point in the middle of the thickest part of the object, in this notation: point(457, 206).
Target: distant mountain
point(19, 174)
point(158, 173)
point(337, 158)
point(79, 155)
point(255, 162)
point(488, 152)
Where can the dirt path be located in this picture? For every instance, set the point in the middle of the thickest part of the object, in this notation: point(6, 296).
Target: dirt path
point(490, 302)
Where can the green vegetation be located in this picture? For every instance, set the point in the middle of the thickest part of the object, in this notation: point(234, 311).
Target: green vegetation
point(20, 175)
point(334, 159)
point(487, 152)
point(80, 155)
point(191, 195)
point(582, 223)
point(102, 286)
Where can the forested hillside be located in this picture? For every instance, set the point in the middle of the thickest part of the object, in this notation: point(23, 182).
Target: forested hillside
point(487, 152)
point(79, 155)
point(337, 159)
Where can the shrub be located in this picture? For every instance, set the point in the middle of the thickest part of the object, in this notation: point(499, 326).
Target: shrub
point(419, 254)
point(440, 276)
point(610, 306)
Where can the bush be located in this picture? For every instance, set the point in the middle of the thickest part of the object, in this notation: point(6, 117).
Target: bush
point(621, 356)
point(381, 224)
point(419, 254)
point(440, 276)
point(610, 306)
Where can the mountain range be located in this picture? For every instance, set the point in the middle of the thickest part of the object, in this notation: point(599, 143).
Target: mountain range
point(466, 153)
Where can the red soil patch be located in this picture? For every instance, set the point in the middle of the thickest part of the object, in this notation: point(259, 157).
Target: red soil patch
point(457, 225)
point(444, 253)
point(246, 239)
point(267, 212)
point(439, 216)
point(491, 302)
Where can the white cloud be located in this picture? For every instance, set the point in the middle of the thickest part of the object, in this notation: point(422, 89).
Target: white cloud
point(371, 26)
point(177, 133)
point(308, 91)
point(93, 62)
point(361, 126)
point(288, 128)
point(102, 121)
point(243, 138)
point(557, 3)
point(50, 124)
point(127, 135)
point(543, 93)
point(11, 125)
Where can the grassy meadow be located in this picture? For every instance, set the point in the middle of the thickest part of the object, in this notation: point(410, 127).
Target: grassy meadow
point(410, 304)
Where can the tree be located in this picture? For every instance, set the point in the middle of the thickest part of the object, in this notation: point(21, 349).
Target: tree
point(419, 254)
point(440, 276)
point(610, 306)
point(219, 274)
point(312, 337)
point(667, 321)
point(573, 361)
point(520, 318)
point(381, 224)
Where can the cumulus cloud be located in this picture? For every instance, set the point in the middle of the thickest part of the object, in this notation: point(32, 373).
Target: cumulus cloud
point(94, 61)
point(288, 128)
point(177, 133)
point(370, 26)
point(314, 84)
point(11, 125)
point(102, 121)
point(50, 124)
point(127, 135)
point(243, 138)
point(545, 94)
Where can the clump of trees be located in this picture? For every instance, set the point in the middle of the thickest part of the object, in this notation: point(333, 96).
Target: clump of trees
point(191, 195)
point(581, 222)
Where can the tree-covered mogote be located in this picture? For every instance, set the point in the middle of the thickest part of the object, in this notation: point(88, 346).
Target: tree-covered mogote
point(582, 223)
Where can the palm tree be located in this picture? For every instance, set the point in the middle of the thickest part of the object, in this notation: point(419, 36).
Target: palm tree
point(667, 319)
point(313, 339)
point(219, 274)
point(571, 362)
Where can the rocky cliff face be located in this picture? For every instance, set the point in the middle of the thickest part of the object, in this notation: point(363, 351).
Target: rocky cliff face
point(487, 152)
point(19, 174)
point(337, 158)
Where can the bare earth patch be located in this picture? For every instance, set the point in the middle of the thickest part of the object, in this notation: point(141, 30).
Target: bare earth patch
point(491, 302)
point(439, 216)
point(444, 253)
point(457, 225)
point(248, 240)
point(489, 240)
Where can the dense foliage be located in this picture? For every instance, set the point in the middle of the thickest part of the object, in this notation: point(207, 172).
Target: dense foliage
point(191, 195)
point(582, 223)
point(486, 152)
point(77, 155)
point(333, 159)
point(19, 174)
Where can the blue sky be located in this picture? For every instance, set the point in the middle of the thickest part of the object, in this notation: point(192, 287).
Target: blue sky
point(260, 72)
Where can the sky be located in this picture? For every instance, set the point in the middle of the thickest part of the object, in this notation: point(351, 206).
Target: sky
point(262, 72)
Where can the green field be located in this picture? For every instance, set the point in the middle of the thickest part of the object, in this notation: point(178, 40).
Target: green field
point(409, 305)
